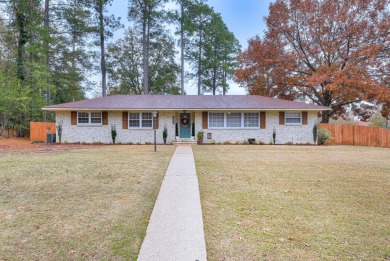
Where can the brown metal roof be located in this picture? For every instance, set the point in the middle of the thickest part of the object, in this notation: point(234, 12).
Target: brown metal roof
point(185, 102)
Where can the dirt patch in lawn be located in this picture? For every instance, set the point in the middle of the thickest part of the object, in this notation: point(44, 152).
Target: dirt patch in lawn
point(21, 145)
point(294, 202)
point(79, 205)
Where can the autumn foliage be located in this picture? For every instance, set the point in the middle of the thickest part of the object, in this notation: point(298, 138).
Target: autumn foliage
point(334, 53)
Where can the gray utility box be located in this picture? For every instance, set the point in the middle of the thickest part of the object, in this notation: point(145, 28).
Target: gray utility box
point(50, 137)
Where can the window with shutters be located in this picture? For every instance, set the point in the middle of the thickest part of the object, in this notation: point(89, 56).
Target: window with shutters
point(89, 118)
point(293, 118)
point(234, 120)
point(96, 117)
point(140, 120)
point(134, 121)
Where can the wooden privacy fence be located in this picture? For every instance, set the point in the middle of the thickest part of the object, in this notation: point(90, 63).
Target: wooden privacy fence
point(38, 130)
point(358, 135)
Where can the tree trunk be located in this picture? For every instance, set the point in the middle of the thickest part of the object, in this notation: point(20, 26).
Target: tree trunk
point(182, 45)
point(21, 21)
point(102, 49)
point(200, 61)
point(46, 26)
point(147, 56)
point(224, 77)
point(144, 41)
point(325, 116)
point(46, 44)
point(214, 80)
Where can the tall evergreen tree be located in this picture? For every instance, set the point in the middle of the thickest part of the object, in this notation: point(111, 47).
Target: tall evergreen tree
point(201, 16)
point(148, 16)
point(104, 28)
point(125, 64)
point(221, 49)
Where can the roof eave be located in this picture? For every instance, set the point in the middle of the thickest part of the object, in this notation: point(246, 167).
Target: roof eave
point(181, 109)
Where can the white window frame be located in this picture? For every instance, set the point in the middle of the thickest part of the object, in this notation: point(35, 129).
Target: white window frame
point(89, 118)
point(140, 120)
point(233, 128)
point(296, 123)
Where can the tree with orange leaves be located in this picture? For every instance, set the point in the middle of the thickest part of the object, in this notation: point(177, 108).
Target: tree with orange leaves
point(334, 53)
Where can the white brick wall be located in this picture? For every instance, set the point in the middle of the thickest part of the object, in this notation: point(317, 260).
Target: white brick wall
point(89, 134)
point(284, 133)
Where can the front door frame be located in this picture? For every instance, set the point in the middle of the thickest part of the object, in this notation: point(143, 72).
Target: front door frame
point(182, 126)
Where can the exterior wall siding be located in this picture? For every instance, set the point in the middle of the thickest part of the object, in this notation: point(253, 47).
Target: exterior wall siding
point(284, 133)
point(89, 134)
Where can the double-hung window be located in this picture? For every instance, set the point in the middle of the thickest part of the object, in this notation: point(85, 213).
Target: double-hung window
point(234, 120)
point(251, 120)
point(293, 118)
point(89, 118)
point(140, 120)
point(216, 120)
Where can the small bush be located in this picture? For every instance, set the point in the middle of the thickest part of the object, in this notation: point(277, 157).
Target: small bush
point(84, 143)
point(113, 133)
point(212, 141)
point(289, 143)
point(227, 142)
point(245, 142)
point(315, 131)
point(323, 135)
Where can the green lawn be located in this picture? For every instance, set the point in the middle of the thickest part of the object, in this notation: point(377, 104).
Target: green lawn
point(76, 205)
point(295, 202)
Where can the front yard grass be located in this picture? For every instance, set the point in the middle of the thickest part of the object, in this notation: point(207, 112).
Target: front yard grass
point(87, 204)
point(295, 202)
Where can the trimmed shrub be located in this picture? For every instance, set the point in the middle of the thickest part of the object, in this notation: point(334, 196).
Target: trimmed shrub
point(323, 135)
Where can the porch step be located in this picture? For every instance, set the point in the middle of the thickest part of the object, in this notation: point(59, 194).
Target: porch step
point(183, 141)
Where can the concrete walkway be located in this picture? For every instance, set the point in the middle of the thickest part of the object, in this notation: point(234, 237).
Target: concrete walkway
point(175, 230)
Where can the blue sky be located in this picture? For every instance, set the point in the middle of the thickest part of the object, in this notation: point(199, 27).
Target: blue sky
point(245, 18)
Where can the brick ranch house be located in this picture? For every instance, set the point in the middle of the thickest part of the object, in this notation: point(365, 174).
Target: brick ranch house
point(222, 118)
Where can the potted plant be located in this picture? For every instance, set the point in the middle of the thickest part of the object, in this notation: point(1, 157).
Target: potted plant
point(113, 133)
point(200, 135)
point(165, 134)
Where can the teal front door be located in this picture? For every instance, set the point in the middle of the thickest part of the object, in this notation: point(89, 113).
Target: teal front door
point(185, 125)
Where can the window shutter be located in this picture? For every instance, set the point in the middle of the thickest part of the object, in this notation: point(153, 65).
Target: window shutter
point(105, 117)
point(262, 119)
point(73, 116)
point(205, 120)
point(125, 120)
point(304, 118)
point(281, 118)
point(192, 117)
point(157, 120)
